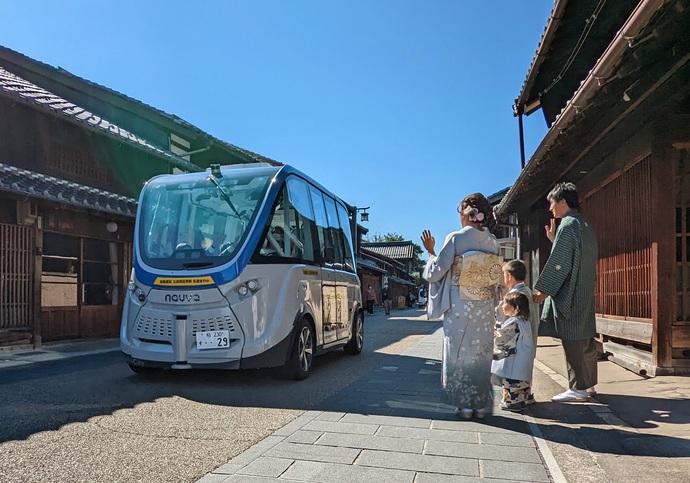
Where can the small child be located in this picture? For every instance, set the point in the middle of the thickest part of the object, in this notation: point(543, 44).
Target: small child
point(514, 352)
point(514, 274)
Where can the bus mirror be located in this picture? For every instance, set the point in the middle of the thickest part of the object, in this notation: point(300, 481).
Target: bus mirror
point(328, 254)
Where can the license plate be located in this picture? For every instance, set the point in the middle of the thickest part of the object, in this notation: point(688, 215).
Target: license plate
point(213, 339)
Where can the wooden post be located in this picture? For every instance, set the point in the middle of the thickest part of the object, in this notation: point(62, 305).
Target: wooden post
point(38, 269)
point(663, 255)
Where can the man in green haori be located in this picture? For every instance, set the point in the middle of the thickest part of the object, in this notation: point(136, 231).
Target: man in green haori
point(566, 287)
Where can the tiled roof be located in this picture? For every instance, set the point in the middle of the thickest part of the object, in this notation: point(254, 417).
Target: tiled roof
point(40, 186)
point(370, 265)
point(29, 93)
point(400, 280)
point(546, 36)
point(397, 250)
point(576, 35)
point(496, 198)
point(71, 79)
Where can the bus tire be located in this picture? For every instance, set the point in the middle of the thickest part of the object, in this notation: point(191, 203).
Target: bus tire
point(356, 342)
point(302, 352)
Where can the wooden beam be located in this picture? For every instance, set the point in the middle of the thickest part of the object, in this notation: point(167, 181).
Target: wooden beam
point(626, 329)
point(663, 204)
point(37, 275)
point(635, 360)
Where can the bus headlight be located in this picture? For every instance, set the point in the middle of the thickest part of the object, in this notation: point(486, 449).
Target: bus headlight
point(141, 296)
point(131, 286)
point(249, 286)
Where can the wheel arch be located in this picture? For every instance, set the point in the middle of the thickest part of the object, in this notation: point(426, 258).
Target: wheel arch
point(301, 315)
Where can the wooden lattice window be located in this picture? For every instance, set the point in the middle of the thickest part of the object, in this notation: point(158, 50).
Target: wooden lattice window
point(16, 276)
point(77, 162)
point(621, 215)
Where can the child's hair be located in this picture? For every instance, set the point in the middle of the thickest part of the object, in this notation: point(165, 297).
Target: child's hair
point(520, 302)
point(517, 269)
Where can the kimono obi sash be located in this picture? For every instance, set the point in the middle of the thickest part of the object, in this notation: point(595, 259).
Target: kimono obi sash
point(476, 274)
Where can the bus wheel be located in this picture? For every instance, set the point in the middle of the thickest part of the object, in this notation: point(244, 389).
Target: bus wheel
point(302, 353)
point(354, 346)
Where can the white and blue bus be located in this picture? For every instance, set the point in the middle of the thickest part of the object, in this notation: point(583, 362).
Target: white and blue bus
point(244, 266)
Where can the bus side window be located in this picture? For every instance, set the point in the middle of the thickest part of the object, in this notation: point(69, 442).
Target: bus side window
point(301, 219)
point(321, 223)
point(333, 234)
point(289, 235)
point(274, 241)
point(346, 236)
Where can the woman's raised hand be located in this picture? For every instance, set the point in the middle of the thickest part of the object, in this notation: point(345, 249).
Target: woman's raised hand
point(429, 242)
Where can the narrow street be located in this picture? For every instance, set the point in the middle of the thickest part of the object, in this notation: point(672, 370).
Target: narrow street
point(92, 419)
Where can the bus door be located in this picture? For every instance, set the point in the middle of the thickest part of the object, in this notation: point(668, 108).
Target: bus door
point(299, 245)
point(334, 238)
point(328, 256)
point(347, 277)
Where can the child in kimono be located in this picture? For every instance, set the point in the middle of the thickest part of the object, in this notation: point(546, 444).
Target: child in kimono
point(514, 274)
point(514, 351)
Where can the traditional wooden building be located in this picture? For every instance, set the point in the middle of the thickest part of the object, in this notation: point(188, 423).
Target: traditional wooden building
point(506, 229)
point(377, 269)
point(612, 81)
point(402, 251)
point(73, 157)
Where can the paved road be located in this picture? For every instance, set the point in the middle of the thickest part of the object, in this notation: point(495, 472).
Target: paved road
point(90, 418)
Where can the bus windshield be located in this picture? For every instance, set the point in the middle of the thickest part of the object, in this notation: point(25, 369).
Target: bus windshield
point(189, 222)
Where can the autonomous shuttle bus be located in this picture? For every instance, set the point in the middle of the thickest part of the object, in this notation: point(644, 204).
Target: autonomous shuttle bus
point(243, 266)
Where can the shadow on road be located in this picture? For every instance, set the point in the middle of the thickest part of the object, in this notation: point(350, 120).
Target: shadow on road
point(380, 381)
point(45, 396)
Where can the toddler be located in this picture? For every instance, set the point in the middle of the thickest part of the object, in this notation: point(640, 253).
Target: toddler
point(514, 351)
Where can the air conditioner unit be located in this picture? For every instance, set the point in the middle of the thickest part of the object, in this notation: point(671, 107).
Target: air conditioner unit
point(26, 213)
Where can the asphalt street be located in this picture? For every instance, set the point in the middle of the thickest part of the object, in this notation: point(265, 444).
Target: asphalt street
point(90, 418)
point(69, 416)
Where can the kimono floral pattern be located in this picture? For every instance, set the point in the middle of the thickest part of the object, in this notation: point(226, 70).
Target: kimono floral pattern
point(467, 350)
point(468, 318)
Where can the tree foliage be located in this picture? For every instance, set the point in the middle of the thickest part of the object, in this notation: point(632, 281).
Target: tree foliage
point(388, 237)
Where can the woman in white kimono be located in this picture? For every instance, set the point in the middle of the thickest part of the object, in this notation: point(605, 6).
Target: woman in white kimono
point(463, 289)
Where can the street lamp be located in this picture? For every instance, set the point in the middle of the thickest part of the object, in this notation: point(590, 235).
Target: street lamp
point(364, 216)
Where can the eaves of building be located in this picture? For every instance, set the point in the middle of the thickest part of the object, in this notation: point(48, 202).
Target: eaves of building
point(29, 185)
point(641, 74)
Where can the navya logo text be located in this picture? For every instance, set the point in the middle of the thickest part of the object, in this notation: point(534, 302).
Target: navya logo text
point(182, 297)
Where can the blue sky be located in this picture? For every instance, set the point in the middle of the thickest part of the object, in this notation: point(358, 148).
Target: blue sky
point(400, 105)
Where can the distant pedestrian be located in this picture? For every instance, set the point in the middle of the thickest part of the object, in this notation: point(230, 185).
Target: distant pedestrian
point(513, 355)
point(386, 299)
point(371, 299)
point(566, 287)
point(410, 299)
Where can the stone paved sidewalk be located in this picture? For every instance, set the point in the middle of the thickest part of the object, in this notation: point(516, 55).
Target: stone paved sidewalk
point(391, 426)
